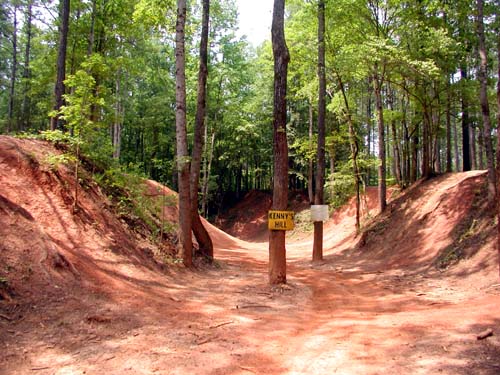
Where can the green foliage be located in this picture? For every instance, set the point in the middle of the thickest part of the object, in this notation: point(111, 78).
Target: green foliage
point(129, 193)
point(53, 161)
point(339, 187)
point(303, 223)
point(57, 137)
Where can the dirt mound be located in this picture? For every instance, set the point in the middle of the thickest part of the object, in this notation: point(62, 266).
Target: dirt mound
point(435, 223)
point(247, 219)
point(45, 246)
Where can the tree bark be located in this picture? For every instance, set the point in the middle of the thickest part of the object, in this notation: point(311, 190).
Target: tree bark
point(185, 223)
point(310, 171)
point(200, 232)
point(277, 250)
point(320, 169)
point(414, 154)
point(353, 140)
point(485, 108)
point(206, 176)
point(497, 18)
point(396, 152)
point(382, 188)
point(13, 74)
point(455, 147)
point(26, 117)
point(59, 89)
point(117, 123)
point(449, 167)
point(466, 160)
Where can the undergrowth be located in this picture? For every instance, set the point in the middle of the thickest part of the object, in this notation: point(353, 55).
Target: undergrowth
point(125, 187)
point(471, 233)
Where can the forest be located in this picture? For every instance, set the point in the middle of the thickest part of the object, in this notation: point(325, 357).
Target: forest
point(176, 198)
point(410, 90)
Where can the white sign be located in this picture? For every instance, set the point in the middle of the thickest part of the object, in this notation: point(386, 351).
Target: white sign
point(319, 212)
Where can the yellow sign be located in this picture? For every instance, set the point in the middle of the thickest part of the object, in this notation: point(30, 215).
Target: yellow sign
point(280, 220)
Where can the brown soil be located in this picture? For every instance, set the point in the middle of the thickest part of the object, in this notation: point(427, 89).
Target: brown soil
point(82, 294)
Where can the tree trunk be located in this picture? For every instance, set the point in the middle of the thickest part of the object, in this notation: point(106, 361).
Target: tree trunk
point(185, 224)
point(396, 152)
point(485, 108)
point(426, 143)
point(320, 169)
point(206, 176)
point(117, 123)
point(91, 40)
point(449, 167)
point(465, 125)
point(455, 147)
point(26, 116)
point(13, 73)
point(497, 18)
point(201, 234)
point(414, 155)
point(310, 171)
point(277, 250)
point(353, 140)
point(55, 121)
point(369, 129)
point(382, 188)
point(472, 145)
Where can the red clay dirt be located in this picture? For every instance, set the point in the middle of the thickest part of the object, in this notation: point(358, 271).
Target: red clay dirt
point(82, 293)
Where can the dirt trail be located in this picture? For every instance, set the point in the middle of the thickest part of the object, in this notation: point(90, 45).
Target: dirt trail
point(364, 310)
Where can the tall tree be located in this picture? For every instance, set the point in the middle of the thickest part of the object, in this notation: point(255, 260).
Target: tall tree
point(497, 19)
point(64, 7)
point(201, 234)
point(277, 249)
point(185, 222)
point(320, 170)
point(485, 108)
point(13, 72)
point(26, 110)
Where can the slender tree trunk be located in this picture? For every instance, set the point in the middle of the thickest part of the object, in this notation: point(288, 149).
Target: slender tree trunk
point(277, 249)
point(435, 141)
point(91, 40)
point(310, 171)
point(466, 159)
point(185, 223)
point(201, 234)
point(206, 176)
point(406, 144)
point(414, 154)
point(497, 17)
point(485, 108)
point(480, 141)
point(369, 129)
point(117, 123)
point(26, 117)
point(426, 143)
point(455, 143)
point(472, 145)
point(396, 152)
point(13, 73)
point(449, 167)
point(320, 170)
point(55, 121)
point(382, 188)
point(353, 140)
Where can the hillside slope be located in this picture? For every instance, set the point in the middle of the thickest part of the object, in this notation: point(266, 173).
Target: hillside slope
point(86, 293)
